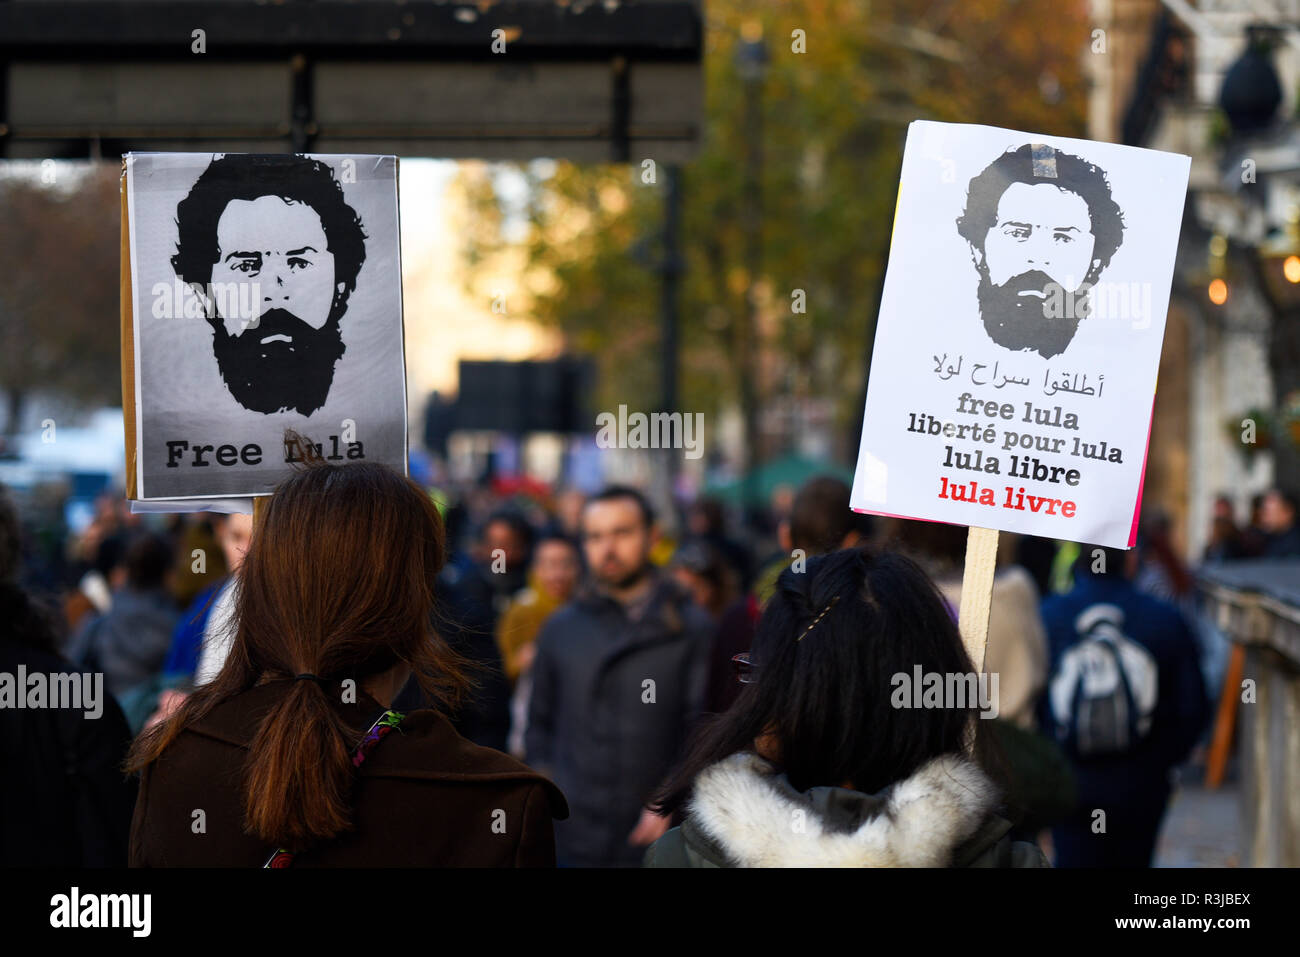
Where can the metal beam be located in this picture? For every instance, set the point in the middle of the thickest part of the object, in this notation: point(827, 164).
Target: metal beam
point(591, 81)
point(131, 29)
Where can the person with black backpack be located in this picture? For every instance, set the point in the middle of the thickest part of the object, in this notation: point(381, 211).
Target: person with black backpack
point(1126, 701)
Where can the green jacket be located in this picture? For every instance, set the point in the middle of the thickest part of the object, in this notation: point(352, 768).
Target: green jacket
point(745, 814)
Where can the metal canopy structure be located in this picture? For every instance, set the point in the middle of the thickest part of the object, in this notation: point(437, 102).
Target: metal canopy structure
point(615, 81)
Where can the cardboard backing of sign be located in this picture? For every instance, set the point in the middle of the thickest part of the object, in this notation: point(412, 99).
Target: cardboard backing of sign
point(128, 348)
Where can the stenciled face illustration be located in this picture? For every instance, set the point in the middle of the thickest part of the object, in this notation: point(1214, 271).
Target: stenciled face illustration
point(284, 359)
point(1041, 226)
point(1043, 235)
point(273, 251)
point(279, 248)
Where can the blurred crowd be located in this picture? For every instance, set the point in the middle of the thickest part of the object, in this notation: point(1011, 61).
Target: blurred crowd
point(576, 612)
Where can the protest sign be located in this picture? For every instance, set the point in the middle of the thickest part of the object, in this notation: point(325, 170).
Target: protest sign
point(1014, 368)
point(260, 293)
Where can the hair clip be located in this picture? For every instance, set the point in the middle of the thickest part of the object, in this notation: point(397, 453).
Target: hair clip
point(818, 618)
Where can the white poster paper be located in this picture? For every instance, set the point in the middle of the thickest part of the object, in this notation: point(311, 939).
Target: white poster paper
point(266, 295)
point(1014, 369)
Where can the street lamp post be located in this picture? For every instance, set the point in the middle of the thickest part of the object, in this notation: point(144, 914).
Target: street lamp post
point(1263, 164)
point(751, 64)
point(670, 270)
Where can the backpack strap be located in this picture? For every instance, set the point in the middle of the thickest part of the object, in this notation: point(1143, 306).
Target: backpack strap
point(384, 724)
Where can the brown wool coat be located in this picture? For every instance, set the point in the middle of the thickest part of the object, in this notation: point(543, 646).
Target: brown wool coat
point(425, 797)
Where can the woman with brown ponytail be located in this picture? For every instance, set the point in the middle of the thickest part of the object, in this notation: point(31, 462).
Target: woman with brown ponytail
point(291, 755)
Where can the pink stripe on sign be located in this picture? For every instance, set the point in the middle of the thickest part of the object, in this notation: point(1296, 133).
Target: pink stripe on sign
point(1142, 480)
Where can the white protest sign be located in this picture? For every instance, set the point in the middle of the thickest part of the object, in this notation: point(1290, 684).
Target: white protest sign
point(264, 294)
point(1014, 369)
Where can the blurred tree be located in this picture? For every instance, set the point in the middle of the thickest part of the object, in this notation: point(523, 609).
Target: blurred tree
point(59, 301)
point(834, 120)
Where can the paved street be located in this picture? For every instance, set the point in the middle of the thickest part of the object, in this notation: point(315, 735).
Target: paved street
point(1202, 828)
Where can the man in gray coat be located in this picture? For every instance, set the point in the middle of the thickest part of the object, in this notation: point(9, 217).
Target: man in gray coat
point(617, 681)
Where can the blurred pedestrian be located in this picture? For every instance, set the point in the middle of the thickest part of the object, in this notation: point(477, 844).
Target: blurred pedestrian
point(821, 520)
point(130, 642)
point(702, 570)
point(817, 764)
point(568, 512)
point(507, 546)
point(1277, 518)
point(1254, 538)
point(1126, 699)
point(706, 521)
point(200, 561)
point(1036, 555)
point(287, 750)
point(1224, 542)
point(94, 592)
point(1161, 573)
point(816, 519)
point(202, 637)
point(65, 801)
point(618, 680)
point(213, 622)
point(554, 576)
point(471, 593)
point(1017, 642)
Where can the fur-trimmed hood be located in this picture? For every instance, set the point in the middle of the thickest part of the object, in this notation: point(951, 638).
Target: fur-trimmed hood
point(748, 812)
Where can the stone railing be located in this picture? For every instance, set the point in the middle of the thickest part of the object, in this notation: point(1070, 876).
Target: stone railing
point(1257, 604)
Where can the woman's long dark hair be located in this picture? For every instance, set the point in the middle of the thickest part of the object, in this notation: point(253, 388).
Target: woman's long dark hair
point(338, 582)
point(826, 699)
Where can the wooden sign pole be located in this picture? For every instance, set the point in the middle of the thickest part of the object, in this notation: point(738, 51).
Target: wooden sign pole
point(977, 592)
point(976, 598)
